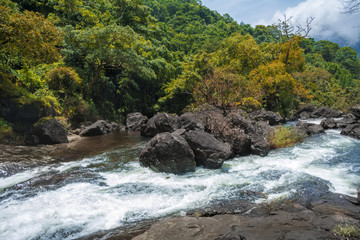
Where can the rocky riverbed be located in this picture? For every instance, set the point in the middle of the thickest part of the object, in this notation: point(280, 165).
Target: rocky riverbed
point(95, 188)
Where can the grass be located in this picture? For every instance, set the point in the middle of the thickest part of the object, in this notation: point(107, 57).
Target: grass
point(348, 231)
point(285, 137)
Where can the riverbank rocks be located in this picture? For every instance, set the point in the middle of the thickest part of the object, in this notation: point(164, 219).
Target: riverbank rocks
point(189, 121)
point(209, 152)
point(271, 117)
point(134, 121)
point(47, 131)
point(309, 128)
point(169, 153)
point(325, 112)
point(98, 128)
point(355, 110)
point(352, 130)
point(161, 122)
point(313, 112)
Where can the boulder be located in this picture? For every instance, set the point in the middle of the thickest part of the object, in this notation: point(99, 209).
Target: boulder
point(239, 121)
point(309, 128)
point(268, 116)
point(304, 112)
point(134, 121)
point(169, 153)
point(355, 110)
point(346, 120)
point(189, 121)
point(239, 141)
point(352, 130)
point(325, 112)
point(328, 123)
point(47, 131)
point(161, 122)
point(98, 128)
point(209, 152)
point(259, 145)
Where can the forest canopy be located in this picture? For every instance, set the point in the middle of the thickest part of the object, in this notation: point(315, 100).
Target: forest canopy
point(84, 60)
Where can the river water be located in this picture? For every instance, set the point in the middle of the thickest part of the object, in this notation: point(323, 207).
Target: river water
point(74, 199)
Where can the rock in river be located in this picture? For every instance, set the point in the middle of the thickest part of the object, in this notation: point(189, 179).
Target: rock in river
point(134, 121)
point(169, 153)
point(161, 122)
point(98, 128)
point(209, 152)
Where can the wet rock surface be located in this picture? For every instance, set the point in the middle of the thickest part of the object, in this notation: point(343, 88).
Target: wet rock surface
point(272, 220)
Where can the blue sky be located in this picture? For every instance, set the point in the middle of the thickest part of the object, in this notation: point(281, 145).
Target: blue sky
point(330, 22)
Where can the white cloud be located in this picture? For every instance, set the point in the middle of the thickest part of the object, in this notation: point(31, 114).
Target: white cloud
point(329, 23)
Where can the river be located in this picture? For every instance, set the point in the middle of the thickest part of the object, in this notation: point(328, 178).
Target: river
point(68, 200)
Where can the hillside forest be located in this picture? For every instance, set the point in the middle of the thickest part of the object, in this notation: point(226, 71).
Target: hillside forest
point(83, 60)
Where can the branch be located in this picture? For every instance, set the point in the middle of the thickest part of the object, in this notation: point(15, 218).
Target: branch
point(351, 6)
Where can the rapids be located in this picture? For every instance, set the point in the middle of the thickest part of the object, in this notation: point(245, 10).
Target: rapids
point(70, 200)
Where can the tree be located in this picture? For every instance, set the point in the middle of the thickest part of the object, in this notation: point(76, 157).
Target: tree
point(279, 90)
point(26, 38)
point(104, 48)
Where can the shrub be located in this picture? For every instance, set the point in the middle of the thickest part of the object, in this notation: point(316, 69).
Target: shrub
point(77, 110)
point(6, 132)
point(63, 79)
point(285, 137)
point(348, 231)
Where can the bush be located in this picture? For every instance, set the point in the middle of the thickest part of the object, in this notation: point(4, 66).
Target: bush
point(64, 79)
point(77, 110)
point(285, 137)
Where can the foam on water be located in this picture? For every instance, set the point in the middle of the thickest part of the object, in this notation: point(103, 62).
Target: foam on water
point(130, 192)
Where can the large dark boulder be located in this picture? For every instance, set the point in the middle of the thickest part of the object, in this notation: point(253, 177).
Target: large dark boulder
point(98, 128)
point(134, 121)
point(268, 116)
point(309, 128)
point(169, 153)
point(209, 152)
point(161, 122)
point(47, 131)
point(328, 123)
point(189, 121)
point(325, 112)
point(352, 130)
point(355, 110)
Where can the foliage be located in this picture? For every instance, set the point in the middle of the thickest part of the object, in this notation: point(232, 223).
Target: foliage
point(347, 230)
point(26, 38)
point(87, 59)
point(63, 79)
point(285, 137)
point(6, 132)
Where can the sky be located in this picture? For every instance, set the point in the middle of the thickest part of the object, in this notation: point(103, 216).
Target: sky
point(330, 22)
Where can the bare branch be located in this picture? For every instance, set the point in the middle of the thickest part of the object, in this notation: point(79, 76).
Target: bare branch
point(351, 6)
point(304, 31)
